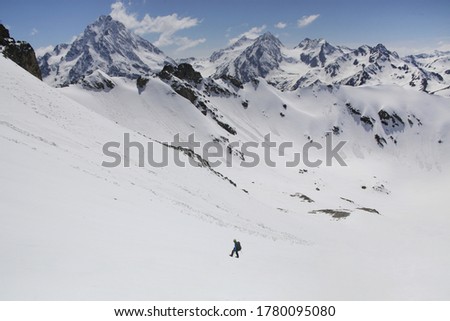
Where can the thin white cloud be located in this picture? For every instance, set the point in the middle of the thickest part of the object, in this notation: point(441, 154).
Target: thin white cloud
point(73, 38)
point(413, 47)
point(280, 25)
point(253, 33)
point(227, 32)
point(165, 26)
point(306, 20)
point(43, 50)
point(186, 43)
point(34, 32)
point(443, 46)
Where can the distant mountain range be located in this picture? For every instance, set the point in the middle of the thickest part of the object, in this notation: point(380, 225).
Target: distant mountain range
point(108, 46)
point(315, 61)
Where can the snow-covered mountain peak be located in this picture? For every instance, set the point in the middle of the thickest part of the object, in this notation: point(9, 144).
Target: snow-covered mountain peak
point(315, 61)
point(105, 28)
point(106, 45)
point(244, 40)
point(229, 52)
point(308, 44)
point(268, 39)
point(381, 51)
point(256, 60)
point(265, 46)
point(317, 52)
point(381, 48)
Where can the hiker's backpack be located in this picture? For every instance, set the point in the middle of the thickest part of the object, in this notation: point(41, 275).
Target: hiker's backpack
point(238, 246)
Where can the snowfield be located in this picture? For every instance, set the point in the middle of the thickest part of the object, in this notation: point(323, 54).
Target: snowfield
point(71, 229)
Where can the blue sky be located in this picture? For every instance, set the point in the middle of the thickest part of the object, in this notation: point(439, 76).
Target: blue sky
point(197, 28)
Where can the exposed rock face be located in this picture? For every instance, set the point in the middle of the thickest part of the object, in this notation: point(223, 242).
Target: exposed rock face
point(4, 33)
point(189, 83)
point(20, 52)
point(185, 72)
point(316, 52)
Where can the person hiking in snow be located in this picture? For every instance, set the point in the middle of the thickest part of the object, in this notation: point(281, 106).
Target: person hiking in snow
point(236, 249)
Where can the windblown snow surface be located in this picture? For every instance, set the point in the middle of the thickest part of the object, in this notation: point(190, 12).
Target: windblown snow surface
point(72, 229)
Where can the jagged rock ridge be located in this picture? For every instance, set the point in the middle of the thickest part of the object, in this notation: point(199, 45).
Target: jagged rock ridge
point(21, 52)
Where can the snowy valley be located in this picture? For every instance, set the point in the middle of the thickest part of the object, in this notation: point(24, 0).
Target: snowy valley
point(375, 229)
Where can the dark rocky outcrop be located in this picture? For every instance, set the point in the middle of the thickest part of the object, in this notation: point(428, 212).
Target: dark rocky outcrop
point(97, 81)
point(4, 33)
point(20, 52)
point(302, 197)
point(337, 214)
point(380, 140)
point(391, 122)
point(141, 83)
point(189, 83)
point(200, 161)
point(185, 92)
point(183, 71)
point(233, 81)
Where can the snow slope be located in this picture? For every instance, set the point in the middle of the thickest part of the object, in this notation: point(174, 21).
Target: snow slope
point(72, 229)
